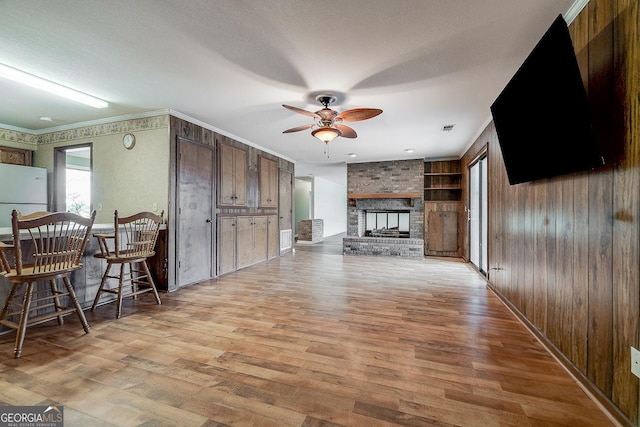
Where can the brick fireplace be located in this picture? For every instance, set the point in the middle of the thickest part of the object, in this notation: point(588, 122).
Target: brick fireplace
point(389, 195)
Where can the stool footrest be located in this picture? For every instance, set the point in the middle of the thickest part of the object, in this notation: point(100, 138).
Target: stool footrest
point(39, 319)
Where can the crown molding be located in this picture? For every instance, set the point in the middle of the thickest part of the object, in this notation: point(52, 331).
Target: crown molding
point(575, 10)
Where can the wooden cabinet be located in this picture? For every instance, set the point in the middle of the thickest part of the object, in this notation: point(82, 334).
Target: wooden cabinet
point(16, 156)
point(245, 240)
point(158, 262)
point(268, 183)
point(442, 181)
point(233, 176)
point(442, 206)
point(443, 231)
point(251, 240)
point(226, 245)
point(272, 236)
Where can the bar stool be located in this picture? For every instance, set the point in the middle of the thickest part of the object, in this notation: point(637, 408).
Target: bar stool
point(53, 245)
point(134, 241)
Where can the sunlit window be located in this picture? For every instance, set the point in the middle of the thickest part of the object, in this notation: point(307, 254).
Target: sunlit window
point(78, 181)
point(73, 182)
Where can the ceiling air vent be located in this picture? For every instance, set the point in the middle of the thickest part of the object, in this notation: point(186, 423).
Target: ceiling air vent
point(447, 128)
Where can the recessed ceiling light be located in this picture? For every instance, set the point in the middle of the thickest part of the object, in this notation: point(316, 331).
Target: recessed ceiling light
point(51, 87)
point(46, 119)
point(352, 155)
point(408, 150)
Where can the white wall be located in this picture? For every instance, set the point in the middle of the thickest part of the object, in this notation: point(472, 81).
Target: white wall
point(330, 205)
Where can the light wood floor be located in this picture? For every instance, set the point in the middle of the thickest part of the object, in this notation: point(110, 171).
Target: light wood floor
point(309, 339)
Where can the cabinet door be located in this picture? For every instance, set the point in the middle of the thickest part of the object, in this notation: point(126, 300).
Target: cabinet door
point(244, 248)
point(15, 156)
point(272, 236)
point(233, 176)
point(227, 192)
point(259, 239)
point(240, 177)
point(226, 245)
point(443, 231)
point(268, 183)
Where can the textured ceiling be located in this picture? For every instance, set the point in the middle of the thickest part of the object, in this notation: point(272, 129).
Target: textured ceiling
point(231, 64)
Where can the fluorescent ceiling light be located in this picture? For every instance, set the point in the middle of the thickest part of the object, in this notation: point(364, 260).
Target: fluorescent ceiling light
point(51, 87)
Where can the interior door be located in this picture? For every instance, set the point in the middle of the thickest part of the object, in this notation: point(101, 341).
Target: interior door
point(195, 213)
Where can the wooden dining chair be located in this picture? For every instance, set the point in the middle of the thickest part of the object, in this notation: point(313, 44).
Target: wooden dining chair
point(46, 247)
point(133, 242)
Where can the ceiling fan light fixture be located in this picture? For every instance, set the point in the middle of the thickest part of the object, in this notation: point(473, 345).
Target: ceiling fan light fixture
point(326, 134)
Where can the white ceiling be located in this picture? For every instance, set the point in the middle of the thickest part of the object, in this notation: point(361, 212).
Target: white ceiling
point(231, 64)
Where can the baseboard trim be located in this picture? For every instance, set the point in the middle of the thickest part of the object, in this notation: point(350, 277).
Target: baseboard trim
point(612, 411)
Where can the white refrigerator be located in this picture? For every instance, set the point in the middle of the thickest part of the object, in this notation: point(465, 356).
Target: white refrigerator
point(23, 188)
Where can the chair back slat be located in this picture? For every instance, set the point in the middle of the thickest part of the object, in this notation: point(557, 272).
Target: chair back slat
point(56, 240)
point(136, 235)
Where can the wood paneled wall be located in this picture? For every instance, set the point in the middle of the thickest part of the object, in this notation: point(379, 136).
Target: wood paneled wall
point(179, 127)
point(565, 252)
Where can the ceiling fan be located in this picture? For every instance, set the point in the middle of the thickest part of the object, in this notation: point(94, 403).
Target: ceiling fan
point(328, 124)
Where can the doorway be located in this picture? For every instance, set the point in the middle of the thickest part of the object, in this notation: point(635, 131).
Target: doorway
point(72, 179)
point(477, 215)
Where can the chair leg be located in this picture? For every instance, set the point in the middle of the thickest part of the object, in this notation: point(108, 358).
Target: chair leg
point(133, 278)
point(102, 283)
point(22, 326)
point(119, 297)
point(150, 279)
point(74, 299)
point(7, 303)
point(56, 300)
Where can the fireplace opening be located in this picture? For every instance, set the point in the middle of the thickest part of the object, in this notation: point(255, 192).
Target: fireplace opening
point(379, 223)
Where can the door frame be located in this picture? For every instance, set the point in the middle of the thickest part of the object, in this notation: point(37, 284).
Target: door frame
point(482, 155)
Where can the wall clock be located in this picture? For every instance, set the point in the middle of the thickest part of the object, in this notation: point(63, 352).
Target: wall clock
point(128, 140)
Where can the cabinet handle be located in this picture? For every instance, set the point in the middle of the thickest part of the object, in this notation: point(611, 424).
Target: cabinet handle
point(208, 220)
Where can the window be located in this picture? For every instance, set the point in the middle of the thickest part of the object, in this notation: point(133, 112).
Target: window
point(72, 172)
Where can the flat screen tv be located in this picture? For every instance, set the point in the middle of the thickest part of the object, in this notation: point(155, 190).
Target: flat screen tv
point(542, 117)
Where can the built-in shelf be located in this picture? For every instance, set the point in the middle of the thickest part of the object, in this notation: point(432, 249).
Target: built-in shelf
point(442, 181)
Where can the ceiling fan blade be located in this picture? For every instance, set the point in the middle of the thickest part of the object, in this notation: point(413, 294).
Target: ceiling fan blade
point(358, 114)
point(301, 111)
point(346, 131)
point(298, 128)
